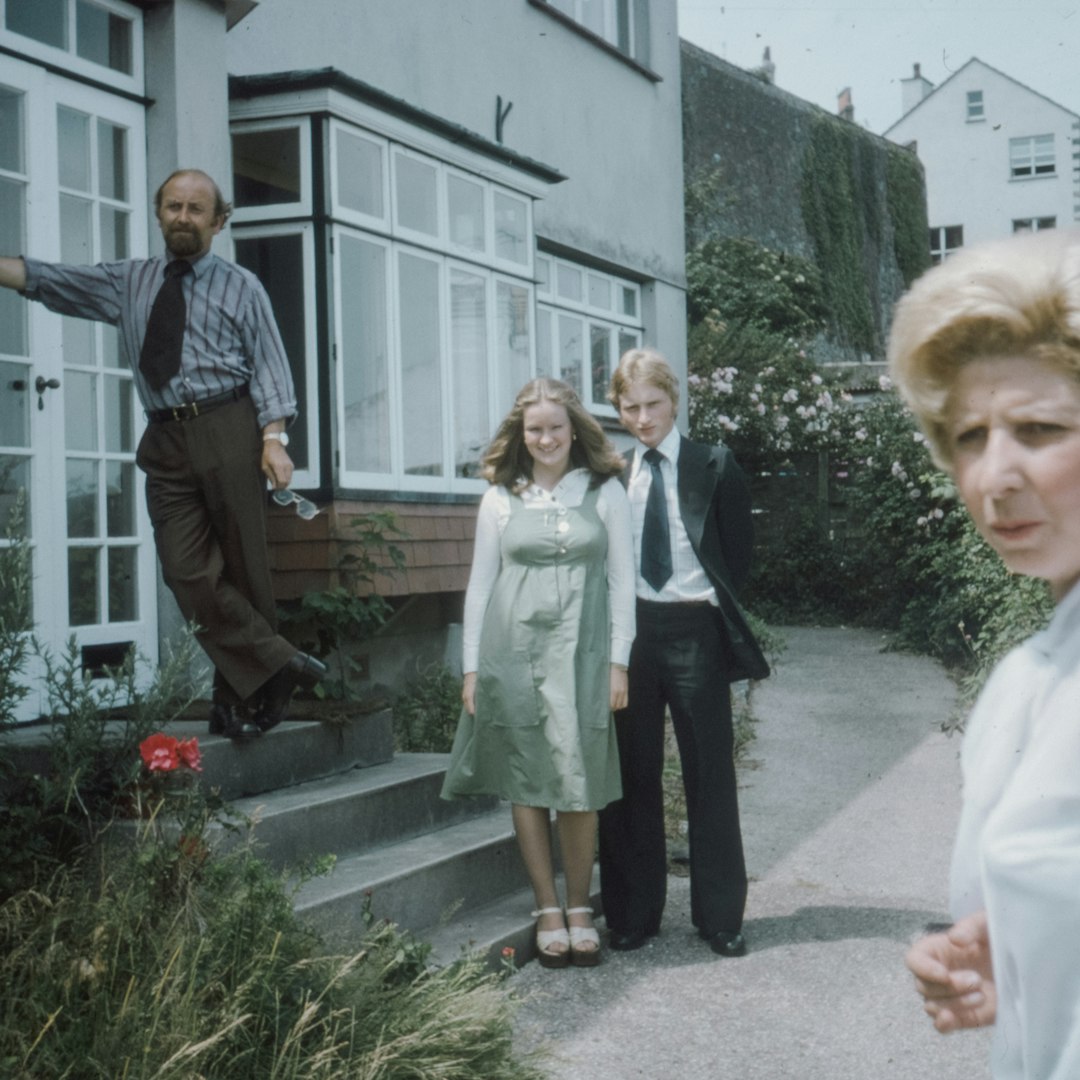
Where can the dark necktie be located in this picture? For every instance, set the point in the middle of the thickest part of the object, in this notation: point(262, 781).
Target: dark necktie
point(164, 341)
point(656, 565)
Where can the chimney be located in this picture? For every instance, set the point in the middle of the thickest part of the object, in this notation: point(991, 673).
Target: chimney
point(913, 90)
point(845, 109)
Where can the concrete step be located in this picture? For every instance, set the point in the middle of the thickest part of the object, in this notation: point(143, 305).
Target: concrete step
point(418, 883)
point(294, 752)
point(356, 811)
point(505, 922)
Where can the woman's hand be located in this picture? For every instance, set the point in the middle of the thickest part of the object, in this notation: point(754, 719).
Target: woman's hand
point(620, 692)
point(954, 974)
point(468, 692)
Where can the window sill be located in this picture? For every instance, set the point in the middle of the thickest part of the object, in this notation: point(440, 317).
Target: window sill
point(599, 42)
point(1028, 179)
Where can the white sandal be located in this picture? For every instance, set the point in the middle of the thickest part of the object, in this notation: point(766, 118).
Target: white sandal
point(583, 935)
point(546, 938)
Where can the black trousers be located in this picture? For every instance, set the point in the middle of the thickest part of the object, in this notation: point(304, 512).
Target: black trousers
point(206, 495)
point(675, 663)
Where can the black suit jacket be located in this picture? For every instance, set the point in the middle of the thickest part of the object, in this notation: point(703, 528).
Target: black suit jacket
point(714, 502)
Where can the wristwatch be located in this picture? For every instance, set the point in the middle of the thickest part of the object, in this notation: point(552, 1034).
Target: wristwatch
point(280, 436)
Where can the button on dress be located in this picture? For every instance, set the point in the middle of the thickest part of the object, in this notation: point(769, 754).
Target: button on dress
point(542, 734)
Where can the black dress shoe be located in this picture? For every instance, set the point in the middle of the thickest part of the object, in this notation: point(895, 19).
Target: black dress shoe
point(628, 940)
point(301, 670)
point(225, 720)
point(724, 943)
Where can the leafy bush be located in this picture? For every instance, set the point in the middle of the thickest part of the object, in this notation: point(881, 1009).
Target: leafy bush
point(426, 713)
point(169, 965)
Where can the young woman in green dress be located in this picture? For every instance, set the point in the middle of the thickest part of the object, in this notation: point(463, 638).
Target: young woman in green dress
point(549, 621)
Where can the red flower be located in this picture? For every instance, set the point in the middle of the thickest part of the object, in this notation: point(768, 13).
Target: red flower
point(508, 951)
point(159, 753)
point(188, 749)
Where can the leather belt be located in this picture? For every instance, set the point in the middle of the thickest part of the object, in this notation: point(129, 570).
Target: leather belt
point(192, 409)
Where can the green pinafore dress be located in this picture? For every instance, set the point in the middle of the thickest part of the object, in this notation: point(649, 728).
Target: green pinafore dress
point(542, 734)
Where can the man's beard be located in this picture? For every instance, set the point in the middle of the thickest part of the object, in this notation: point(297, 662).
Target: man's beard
point(183, 242)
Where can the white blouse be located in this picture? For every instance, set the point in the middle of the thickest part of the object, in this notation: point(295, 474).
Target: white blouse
point(613, 509)
point(1018, 847)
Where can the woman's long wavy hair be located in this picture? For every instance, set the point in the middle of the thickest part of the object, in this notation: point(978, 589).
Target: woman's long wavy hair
point(507, 461)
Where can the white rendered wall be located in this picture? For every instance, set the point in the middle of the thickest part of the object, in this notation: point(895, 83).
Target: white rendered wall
point(967, 162)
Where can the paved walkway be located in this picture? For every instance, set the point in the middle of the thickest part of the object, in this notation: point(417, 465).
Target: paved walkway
point(849, 803)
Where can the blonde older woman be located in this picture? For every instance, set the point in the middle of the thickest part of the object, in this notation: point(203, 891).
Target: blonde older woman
point(986, 349)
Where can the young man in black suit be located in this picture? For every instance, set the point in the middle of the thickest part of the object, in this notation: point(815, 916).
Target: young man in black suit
point(692, 538)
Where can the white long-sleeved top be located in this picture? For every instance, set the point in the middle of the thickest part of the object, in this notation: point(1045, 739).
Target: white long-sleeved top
point(1017, 850)
point(614, 511)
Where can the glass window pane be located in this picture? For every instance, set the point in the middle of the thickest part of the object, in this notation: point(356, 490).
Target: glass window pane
point(80, 411)
point(600, 359)
point(119, 415)
point(103, 37)
point(14, 479)
point(82, 498)
point(512, 304)
point(120, 498)
point(627, 341)
point(14, 406)
point(417, 207)
point(278, 262)
point(42, 20)
point(123, 582)
point(83, 586)
point(511, 229)
point(11, 131)
point(468, 345)
point(360, 174)
point(114, 234)
point(73, 142)
point(629, 302)
point(592, 15)
point(543, 274)
point(466, 213)
point(569, 285)
point(111, 354)
point(76, 247)
point(266, 166)
point(13, 316)
point(421, 385)
point(599, 292)
point(364, 356)
point(571, 349)
point(112, 161)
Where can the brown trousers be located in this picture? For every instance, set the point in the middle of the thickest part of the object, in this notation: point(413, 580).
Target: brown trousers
point(207, 500)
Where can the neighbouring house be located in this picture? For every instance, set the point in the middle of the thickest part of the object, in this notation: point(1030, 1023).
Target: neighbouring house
point(443, 200)
point(999, 156)
point(767, 166)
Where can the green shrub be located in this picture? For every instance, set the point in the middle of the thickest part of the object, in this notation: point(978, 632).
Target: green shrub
point(426, 713)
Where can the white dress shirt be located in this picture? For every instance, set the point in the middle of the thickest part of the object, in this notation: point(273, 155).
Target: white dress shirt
point(613, 510)
point(1017, 849)
point(689, 580)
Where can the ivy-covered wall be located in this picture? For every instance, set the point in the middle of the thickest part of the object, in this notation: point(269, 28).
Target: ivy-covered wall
point(764, 165)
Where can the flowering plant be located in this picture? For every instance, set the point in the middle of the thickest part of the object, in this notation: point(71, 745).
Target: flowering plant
point(166, 753)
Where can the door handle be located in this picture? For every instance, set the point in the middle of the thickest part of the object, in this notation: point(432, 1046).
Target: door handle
point(41, 384)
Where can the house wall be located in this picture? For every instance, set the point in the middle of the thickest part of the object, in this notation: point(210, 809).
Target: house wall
point(967, 161)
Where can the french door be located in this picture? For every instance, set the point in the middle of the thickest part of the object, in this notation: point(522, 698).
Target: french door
point(73, 189)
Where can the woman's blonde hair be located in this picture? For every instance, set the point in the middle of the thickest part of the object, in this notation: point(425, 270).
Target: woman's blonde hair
point(508, 461)
point(643, 365)
point(1009, 298)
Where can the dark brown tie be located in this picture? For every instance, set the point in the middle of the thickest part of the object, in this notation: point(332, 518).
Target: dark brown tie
point(164, 341)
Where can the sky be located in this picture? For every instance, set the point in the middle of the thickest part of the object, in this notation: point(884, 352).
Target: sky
point(820, 47)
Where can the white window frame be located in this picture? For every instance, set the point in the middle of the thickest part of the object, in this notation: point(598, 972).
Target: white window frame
point(609, 32)
point(272, 211)
point(308, 394)
point(550, 305)
point(70, 61)
point(939, 249)
point(976, 106)
point(348, 213)
point(1029, 152)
